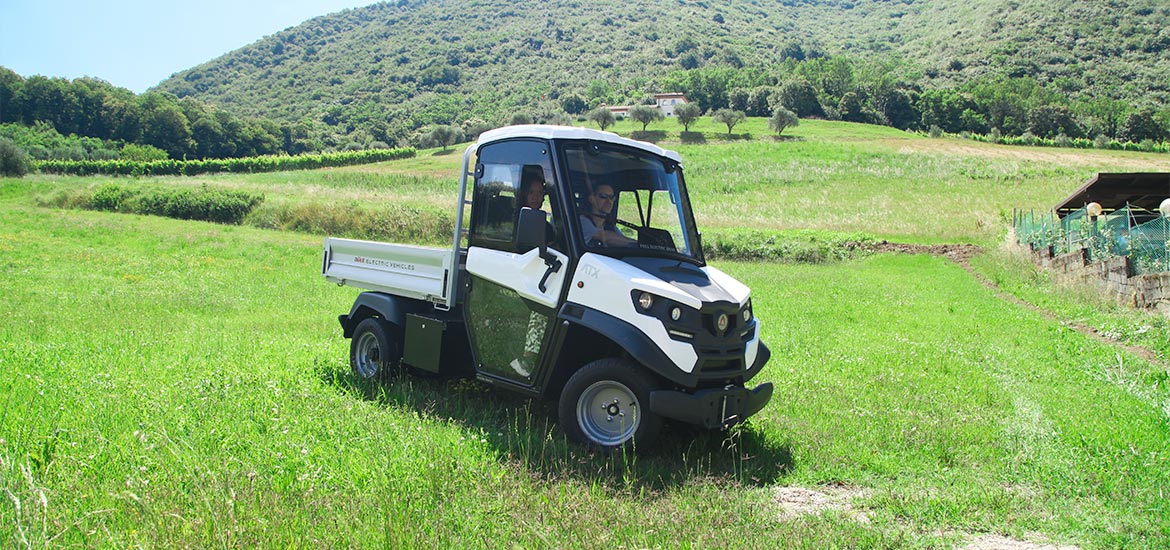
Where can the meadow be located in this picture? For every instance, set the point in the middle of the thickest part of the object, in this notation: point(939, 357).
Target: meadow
point(178, 383)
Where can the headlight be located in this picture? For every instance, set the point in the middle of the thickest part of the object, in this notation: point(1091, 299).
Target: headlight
point(675, 313)
point(747, 312)
point(645, 301)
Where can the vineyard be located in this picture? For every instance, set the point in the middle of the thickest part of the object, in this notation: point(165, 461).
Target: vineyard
point(251, 165)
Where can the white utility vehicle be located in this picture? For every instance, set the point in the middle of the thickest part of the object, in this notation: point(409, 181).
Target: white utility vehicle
point(598, 298)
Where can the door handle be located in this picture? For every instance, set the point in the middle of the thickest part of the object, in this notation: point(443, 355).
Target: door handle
point(554, 265)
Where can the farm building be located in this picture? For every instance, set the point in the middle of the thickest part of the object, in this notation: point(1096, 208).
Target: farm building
point(1142, 192)
point(1114, 230)
point(663, 102)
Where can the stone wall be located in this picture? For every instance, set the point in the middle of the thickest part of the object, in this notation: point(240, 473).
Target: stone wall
point(1113, 275)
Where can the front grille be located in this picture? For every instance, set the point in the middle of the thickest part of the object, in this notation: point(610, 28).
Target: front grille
point(720, 360)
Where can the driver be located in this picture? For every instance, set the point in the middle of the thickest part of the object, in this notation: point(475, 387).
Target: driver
point(596, 224)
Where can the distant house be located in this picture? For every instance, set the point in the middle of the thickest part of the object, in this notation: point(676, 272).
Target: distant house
point(619, 111)
point(664, 103)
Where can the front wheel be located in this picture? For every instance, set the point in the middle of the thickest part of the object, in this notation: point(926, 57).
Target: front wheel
point(606, 405)
point(375, 349)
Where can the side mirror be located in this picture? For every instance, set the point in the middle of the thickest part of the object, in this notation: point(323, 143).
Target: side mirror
point(530, 230)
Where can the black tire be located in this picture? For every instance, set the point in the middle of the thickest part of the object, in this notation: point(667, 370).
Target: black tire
point(375, 349)
point(606, 405)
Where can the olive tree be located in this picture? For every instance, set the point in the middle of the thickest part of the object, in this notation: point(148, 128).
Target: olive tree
point(602, 116)
point(782, 118)
point(445, 135)
point(645, 114)
point(728, 118)
point(687, 114)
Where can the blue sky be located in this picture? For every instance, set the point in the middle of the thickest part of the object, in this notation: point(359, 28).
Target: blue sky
point(136, 44)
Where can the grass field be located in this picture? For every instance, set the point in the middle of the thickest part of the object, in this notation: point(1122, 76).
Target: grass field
point(174, 383)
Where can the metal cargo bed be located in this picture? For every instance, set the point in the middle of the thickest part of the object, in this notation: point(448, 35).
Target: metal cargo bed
point(416, 272)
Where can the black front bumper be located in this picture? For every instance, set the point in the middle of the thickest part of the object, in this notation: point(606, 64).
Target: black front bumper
point(713, 408)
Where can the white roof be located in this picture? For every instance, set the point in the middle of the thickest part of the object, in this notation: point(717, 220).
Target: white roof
point(548, 131)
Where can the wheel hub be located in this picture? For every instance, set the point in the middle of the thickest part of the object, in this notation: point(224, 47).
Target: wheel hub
point(607, 413)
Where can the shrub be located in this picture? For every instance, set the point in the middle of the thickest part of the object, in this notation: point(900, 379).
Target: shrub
point(204, 203)
point(786, 246)
point(142, 153)
point(393, 222)
point(13, 160)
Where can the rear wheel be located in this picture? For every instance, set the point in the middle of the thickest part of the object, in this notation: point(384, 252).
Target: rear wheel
point(375, 350)
point(606, 405)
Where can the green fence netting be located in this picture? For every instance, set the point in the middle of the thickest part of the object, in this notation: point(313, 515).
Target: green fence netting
point(1128, 231)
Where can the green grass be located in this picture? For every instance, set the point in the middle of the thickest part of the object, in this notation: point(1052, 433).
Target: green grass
point(825, 176)
point(174, 383)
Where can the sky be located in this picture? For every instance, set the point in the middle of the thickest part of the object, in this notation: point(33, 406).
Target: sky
point(136, 44)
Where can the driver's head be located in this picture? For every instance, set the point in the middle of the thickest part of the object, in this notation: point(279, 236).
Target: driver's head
point(532, 185)
point(602, 198)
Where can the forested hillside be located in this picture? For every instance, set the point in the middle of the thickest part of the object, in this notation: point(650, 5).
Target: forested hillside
point(378, 73)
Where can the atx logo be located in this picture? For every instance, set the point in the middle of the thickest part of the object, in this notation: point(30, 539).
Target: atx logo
point(590, 270)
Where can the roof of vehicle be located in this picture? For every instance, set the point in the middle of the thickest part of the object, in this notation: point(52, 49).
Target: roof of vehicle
point(547, 131)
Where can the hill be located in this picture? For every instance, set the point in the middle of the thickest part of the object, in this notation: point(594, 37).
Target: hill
point(413, 63)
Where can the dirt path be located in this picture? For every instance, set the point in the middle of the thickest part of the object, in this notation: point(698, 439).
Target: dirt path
point(962, 254)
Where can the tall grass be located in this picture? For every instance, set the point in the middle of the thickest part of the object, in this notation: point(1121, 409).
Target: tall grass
point(173, 383)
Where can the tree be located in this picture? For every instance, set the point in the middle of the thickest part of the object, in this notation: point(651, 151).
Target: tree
point(782, 118)
point(165, 126)
point(759, 101)
point(473, 127)
point(895, 107)
point(445, 135)
point(799, 96)
point(737, 99)
point(1141, 126)
point(574, 104)
point(687, 114)
point(645, 114)
point(728, 117)
point(602, 116)
point(851, 108)
point(13, 160)
point(1049, 121)
point(520, 118)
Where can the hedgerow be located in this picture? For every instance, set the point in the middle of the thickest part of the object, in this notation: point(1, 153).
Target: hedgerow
point(170, 167)
point(812, 247)
point(203, 203)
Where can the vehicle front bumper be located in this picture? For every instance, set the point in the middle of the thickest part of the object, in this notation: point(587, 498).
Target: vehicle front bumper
point(712, 408)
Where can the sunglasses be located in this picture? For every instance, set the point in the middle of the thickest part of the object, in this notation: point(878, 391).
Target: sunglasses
point(605, 196)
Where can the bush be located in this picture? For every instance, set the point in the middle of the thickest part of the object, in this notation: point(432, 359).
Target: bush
point(392, 222)
point(204, 203)
point(142, 153)
point(785, 246)
point(13, 160)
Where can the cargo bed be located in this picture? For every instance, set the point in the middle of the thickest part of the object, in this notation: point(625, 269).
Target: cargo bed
point(417, 272)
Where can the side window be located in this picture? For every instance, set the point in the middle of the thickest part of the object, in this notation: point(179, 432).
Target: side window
point(499, 194)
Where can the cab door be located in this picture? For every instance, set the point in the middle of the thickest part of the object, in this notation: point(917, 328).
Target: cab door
point(512, 295)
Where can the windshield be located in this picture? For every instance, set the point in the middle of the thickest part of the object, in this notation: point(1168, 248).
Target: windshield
point(630, 202)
